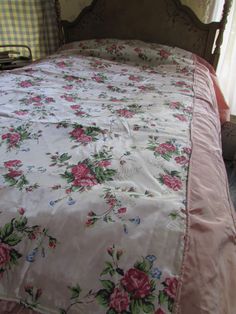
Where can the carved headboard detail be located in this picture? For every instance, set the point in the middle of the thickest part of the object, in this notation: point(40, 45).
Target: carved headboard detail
point(161, 21)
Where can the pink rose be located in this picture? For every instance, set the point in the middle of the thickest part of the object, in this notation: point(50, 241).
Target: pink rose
point(181, 117)
point(83, 176)
point(164, 54)
point(21, 112)
point(35, 99)
point(122, 210)
point(80, 171)
point(75, 107)
point(104, 163)
point(171, 287)
point(68, 87)
point(136, 282)
point(25, 84)
point(14, 173)
point(175, 105)
point(85, 139)
point(14, 138)
point(187, 150)
point(125, 113)
point(38, 104)
point(61, 64)
point(21, 211)
point(119, 300)
point(68, 98)
point(160, 150)
point(80, 113)
point(49, 99)
point(168, 147)
point(12, 163)
point(79, 135)
point(4, 254)
point(77, 132)
point(181, 160)
point(5, 136)
point(173, 183)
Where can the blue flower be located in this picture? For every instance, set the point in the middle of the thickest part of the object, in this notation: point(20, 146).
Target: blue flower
point(156, 273)
point(52, 203)
point(31, 256)
point(151, 258)
point(71, 201)
point(135, 220)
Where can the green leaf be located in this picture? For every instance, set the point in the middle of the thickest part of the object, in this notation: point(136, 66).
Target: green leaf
point(153, 285)
point(103, 297)
point(13, 239)
point(108, 270)
point(135, 307)
point(15, 255)
point(144, 266)
point(163, 298)
point(75, 291)
point(62, 311)
point(21, 223)
point(6, 230)
point(148, 307)
point(149, 299)
point(108, 285)
point(170, 304)
point(64, 157)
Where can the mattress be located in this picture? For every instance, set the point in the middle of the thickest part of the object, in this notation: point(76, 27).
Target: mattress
point(113, 191)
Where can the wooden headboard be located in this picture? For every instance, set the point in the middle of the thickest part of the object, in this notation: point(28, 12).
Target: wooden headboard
point(166, 22)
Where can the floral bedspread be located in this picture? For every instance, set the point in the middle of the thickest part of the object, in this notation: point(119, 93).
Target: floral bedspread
point(95, 147)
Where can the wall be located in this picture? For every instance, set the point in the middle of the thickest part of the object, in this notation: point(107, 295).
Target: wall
point(71, 8)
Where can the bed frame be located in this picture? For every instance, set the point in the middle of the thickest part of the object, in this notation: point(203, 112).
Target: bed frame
point(166, 22)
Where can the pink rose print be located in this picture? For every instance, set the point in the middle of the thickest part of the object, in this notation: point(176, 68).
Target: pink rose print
point(12, 163)
point(79, 135)
point(4, 254)
point(181, 160)
point(14, 173)
point(122, 210)
point(21, 112)
point(173, 183)
point(21, 211)
point(181, 117)
point(104, 163)
point(75, 107)
point(187, 150)
point(164, 148)
point(137, 283)
point(119, 300)
point(83, 176)
point(14, 138)
point(125, 113)
point(61, 64)
point(164, 54)
point(25, 84)
point(171, 287)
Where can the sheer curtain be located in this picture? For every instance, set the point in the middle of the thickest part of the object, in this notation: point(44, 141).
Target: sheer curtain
point(227, 64)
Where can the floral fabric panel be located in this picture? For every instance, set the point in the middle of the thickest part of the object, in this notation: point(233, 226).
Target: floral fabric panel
point(95, 148)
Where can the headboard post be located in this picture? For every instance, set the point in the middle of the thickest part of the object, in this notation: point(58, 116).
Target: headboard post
point(223, 22)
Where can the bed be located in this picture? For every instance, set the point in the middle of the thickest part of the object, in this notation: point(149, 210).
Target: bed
point(113, 191)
